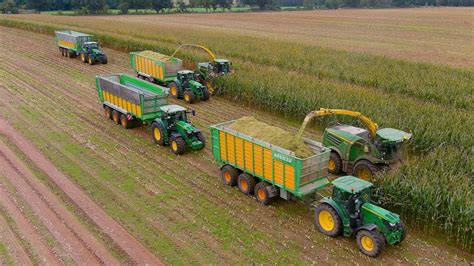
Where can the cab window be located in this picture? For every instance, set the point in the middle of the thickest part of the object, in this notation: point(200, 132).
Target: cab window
point(340, 195)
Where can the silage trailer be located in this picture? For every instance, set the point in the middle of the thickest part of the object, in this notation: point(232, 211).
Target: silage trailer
point(133, 102)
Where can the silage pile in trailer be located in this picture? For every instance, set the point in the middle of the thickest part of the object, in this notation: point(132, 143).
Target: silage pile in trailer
point(250, 126)
point(156, 56)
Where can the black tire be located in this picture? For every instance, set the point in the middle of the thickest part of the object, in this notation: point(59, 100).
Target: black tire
point(261, 193)
point(103, 59)
point(189, 97)
point(229, 175)
point(327, 220)
point(335, 163)
point(63, 53)
point(201, 138)
point(116, 117)
point(174, 90)
point(84, 57)
point(68, 54)
point(177, 145)
point(246, 183)
point(404, 234)
point(158, 134)
point(107, 112)
point(125, 122)
point(91, 60)
point(365, 170)
point(371, 243)
point(205, 94)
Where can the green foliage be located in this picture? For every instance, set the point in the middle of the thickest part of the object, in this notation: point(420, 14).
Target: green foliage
point(8, 7)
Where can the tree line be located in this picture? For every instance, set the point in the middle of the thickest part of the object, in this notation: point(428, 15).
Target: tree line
point(102, 6)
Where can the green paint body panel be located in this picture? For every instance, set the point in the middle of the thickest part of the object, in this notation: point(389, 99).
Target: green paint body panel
point(219, 67)
point(386, 222)
point(312, 169)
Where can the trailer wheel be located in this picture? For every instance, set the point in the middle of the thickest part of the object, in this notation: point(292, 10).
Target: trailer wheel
point(107, 112)
point(371, 243)
point(335, 163)
point(174, 91)
point(158, 134)
point(91, 60)
point(189, 96)
point(63, 53)
point(116, 116)
point(246, 183)
point(261, 193)
point(229, 175)
point(177, 145)
point(125, 122)
point(327, 220)
point(205, 94)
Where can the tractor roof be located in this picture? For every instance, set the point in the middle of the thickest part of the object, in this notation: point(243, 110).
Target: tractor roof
point(393, 135)
point(349, 133)
point(185, 71)
point(172, 108)
point(351, 184)
point(222, 61)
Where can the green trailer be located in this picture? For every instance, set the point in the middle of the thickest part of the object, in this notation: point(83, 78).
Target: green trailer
point(73, 43)
point(269, 172)
point(265, 169)
point(132, 102)
point(168, 71)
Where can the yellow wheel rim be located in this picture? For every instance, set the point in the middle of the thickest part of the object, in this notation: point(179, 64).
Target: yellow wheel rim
point(186, 98)
point(365, 174)
point(367, 243)
point(83, 57)
point(174, 146)
point(210, 86)
point(261, 194)
point(90, 60)
point(174, 91)
point(332, 165)
point(326, 221)
point(227, 176)
point(157, 134)
point(243, 184)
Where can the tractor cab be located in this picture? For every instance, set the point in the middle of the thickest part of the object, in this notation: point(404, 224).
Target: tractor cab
point(174, 113)
point(221, 66)
point(185, 76)
point(389, 141)
point(89, 46)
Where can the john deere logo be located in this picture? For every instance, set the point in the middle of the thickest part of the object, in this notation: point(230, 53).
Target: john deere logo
point(281, 157)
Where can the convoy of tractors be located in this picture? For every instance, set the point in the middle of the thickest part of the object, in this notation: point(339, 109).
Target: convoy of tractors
point(253, 165)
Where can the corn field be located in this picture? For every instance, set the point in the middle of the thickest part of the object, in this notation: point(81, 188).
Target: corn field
point(433, 190)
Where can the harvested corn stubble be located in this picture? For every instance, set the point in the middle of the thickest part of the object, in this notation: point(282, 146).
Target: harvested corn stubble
point(250, 126)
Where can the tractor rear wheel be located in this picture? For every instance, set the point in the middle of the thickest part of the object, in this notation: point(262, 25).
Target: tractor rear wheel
point(229, 175)
point(177, 145)
point(246, 183)
point(335, 163)
point(108, 112)
point(261, 193)
point(125, 122)
point(365, 170)
point(116, 116)
point(83, 57)
point(189, 97)
point(158, 133)
point(371, 243)
point(205, 94)
point(327, 220)
point(174, 91)
point(201, 138)
point(91, 60)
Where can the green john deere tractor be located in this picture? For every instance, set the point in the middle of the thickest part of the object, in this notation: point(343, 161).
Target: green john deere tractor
point(92, 54)
point(173, 128)
point(350, 212)
point(360, 152)
point(186, 87)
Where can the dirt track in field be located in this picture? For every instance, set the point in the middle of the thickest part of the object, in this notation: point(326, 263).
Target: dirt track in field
point(61, 96)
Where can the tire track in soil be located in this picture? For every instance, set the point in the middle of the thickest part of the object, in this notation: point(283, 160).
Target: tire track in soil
point(204, 121)
point(126, 242)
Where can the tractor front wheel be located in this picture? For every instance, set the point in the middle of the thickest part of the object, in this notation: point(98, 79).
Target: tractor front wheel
point(365, 170)
point(177, 145)
point(229, 175)
point(335, 163)
point(261, 193)
point(371, 243)
point(158, 133)
point(205, 94)
point(201, 138)
point(327, 220)
point(246, 183)
point(189, 97)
